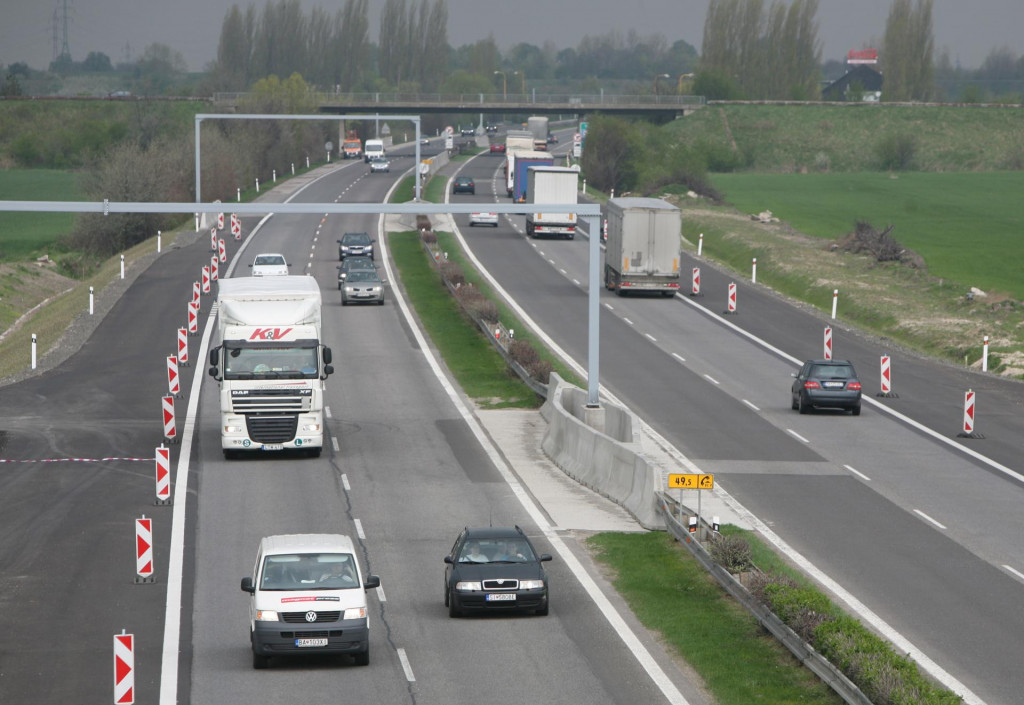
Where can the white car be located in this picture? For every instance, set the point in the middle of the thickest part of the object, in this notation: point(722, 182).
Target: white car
point(269, 264)
point(308, 595)
point(483, 219)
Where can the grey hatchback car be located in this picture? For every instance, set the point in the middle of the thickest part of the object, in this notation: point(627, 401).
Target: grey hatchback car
point(827, 384)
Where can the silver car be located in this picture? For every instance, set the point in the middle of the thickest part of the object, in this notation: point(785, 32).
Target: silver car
point(350, 264)
point(362, 286)
point(379, 164)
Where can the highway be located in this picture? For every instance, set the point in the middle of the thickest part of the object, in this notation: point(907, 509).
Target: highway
point(924, 534)
point(921, 533)
point(406, 470)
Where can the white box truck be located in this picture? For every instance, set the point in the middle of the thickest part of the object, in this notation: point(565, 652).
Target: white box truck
point(518, 140)
point(538, 127)
point(271, 365)
point(642, 252)
point(548, 185)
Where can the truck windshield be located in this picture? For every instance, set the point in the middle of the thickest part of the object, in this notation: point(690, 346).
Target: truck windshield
point(276, 363)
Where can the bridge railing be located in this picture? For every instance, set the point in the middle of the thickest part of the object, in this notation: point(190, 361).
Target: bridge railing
point(511, 99)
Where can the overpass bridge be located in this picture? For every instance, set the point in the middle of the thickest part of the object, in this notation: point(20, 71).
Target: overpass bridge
point(660, 108)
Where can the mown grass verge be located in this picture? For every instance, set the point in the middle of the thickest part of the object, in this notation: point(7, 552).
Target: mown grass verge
point(672, 595)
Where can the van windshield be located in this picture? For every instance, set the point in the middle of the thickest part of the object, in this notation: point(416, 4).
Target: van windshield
point(309, 571)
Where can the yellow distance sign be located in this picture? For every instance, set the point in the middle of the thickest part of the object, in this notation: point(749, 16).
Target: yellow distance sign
point(691, 482)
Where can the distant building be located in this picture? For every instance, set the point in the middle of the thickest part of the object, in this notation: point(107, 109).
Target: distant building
point(860, 78)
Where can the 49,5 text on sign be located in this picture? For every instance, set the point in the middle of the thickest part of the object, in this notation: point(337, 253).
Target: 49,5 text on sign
point(691, 482)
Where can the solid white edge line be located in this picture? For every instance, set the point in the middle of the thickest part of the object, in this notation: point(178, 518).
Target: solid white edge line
point(176, 553)
point(928, 518)
point(898, 640)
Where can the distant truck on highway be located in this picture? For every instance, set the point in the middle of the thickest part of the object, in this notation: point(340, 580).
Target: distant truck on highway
point(538, 127)
point(518, 141)
point(517, 164)
point(352, 147)
point(547, 185)
point(271, 365)
point(642, 251)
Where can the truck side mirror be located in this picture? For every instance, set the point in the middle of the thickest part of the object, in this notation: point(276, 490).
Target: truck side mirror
point(247, 585)
point(328, 357)
point(328, 370)
point(214, 354)
point(214, 372)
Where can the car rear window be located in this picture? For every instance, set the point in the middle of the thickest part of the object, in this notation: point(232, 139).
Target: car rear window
point(832, 371)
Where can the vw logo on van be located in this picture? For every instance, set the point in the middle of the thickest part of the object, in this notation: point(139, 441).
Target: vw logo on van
point(311, 616)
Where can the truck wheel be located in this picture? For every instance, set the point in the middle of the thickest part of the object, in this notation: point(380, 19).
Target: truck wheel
point(608, 278)
point(230, 454)
point(362, 659)
point(313, 452)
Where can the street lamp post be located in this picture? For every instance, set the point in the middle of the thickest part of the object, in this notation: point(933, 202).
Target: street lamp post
point(522, 75)
point(660, 75)
point(504, 84)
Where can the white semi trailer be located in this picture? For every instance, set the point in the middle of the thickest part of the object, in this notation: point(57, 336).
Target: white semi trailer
point(271, 365)
point(642, 252)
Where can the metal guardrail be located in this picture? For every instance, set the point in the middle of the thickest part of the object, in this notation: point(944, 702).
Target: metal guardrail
point(804, 652)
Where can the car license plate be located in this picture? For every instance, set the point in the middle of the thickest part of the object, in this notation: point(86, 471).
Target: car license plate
point(301, 643)
point(833, 385)
point(272, 446)
point(501, 597)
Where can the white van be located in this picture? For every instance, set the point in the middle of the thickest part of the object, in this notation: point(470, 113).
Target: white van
point(373, 148)
point(308, 595)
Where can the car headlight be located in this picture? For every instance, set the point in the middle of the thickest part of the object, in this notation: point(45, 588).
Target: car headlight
point(311, 428)
point(355, 613)
point(232, 429)
point(467, 585)
point(531, 584)
point(267, 616)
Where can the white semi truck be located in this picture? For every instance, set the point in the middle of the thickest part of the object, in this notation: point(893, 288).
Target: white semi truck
point(546, 185)
point(642, 252)
point(271, 365)
point(538, 127)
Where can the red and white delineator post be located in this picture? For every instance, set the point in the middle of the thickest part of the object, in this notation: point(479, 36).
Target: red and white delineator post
point(193, 317)
point(214, 268)
point(236, 226)
point(753, 271)
point(885, 374)
point(162, 469)
point(222, 250)
point(695, 287)
point(213, 239)
point(195, 292)
point(206, 279)
point(969, 407)
point(183, 346)
point(984, 355)
point(732, 298)
point(124, 669)
point(170, 429)
point(144, 549)
point(828, 343)
point(173, 381)
point(220, 221)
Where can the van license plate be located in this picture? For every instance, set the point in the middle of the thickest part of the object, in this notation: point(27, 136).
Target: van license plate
point(273, 446)
point(501, 597)
point(310, 642)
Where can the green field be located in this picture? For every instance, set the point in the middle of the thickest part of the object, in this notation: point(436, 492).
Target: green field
point(25, 236)
point(966, 225)
point(844, 137)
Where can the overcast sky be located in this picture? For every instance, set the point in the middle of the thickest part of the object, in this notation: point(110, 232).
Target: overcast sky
point(123, 28)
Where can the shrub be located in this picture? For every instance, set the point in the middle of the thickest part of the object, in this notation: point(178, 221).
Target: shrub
point(896, 151)
point(452, 274)
point(732, 552)
point(802, 609)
